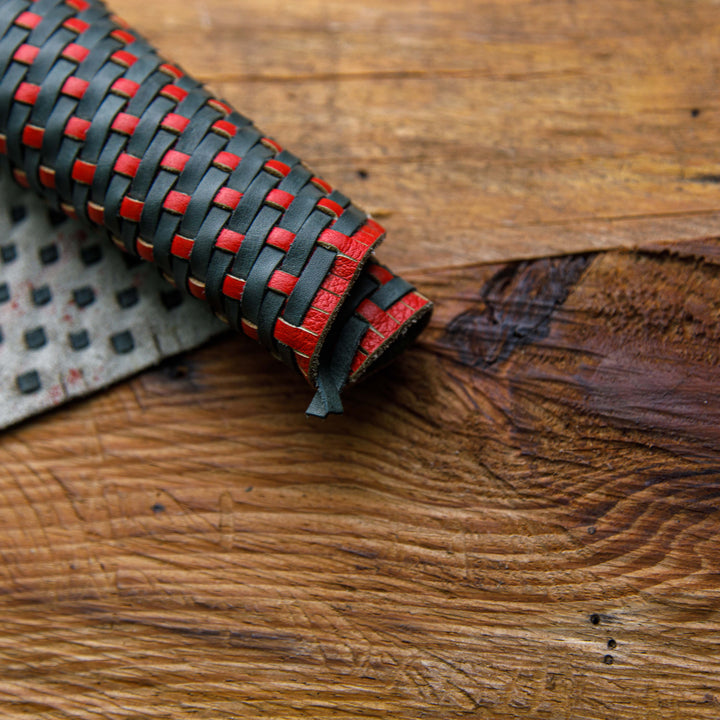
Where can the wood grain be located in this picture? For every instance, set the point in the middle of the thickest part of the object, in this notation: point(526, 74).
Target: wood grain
point(517, 519)
point(529, 128)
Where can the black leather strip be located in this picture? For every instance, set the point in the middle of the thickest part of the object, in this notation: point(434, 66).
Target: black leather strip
point(313, 275)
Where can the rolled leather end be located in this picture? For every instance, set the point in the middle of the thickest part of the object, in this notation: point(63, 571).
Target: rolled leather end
point(94, 121)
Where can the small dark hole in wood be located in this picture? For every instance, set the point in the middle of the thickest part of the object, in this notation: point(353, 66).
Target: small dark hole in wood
point(363, 174)
point(608, 659)
point(612, 644)
point(595, 619)
point(695, 112)
point(707, 178)
point(158, 508)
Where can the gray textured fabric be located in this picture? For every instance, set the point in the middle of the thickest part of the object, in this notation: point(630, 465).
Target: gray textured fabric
point(75, 314)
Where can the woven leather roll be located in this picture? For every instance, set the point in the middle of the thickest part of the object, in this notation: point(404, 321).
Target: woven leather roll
point(94, 121)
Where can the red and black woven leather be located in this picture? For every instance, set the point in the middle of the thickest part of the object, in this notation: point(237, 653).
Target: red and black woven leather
point(93, 120)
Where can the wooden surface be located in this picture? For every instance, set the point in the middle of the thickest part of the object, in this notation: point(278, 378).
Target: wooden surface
point(519, 518)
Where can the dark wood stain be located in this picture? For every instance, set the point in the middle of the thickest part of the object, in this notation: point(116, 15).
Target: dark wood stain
point(517, 305)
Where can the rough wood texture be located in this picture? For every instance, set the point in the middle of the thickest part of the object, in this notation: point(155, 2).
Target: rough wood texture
point(519, 518)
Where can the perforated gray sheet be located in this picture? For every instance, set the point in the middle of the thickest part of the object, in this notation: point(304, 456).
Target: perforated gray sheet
point(77, 314)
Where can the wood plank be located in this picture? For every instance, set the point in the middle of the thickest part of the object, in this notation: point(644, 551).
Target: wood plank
point(487, 131)
point(519, 517)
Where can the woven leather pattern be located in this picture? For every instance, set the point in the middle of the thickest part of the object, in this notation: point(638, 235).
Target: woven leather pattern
point(94, 121)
